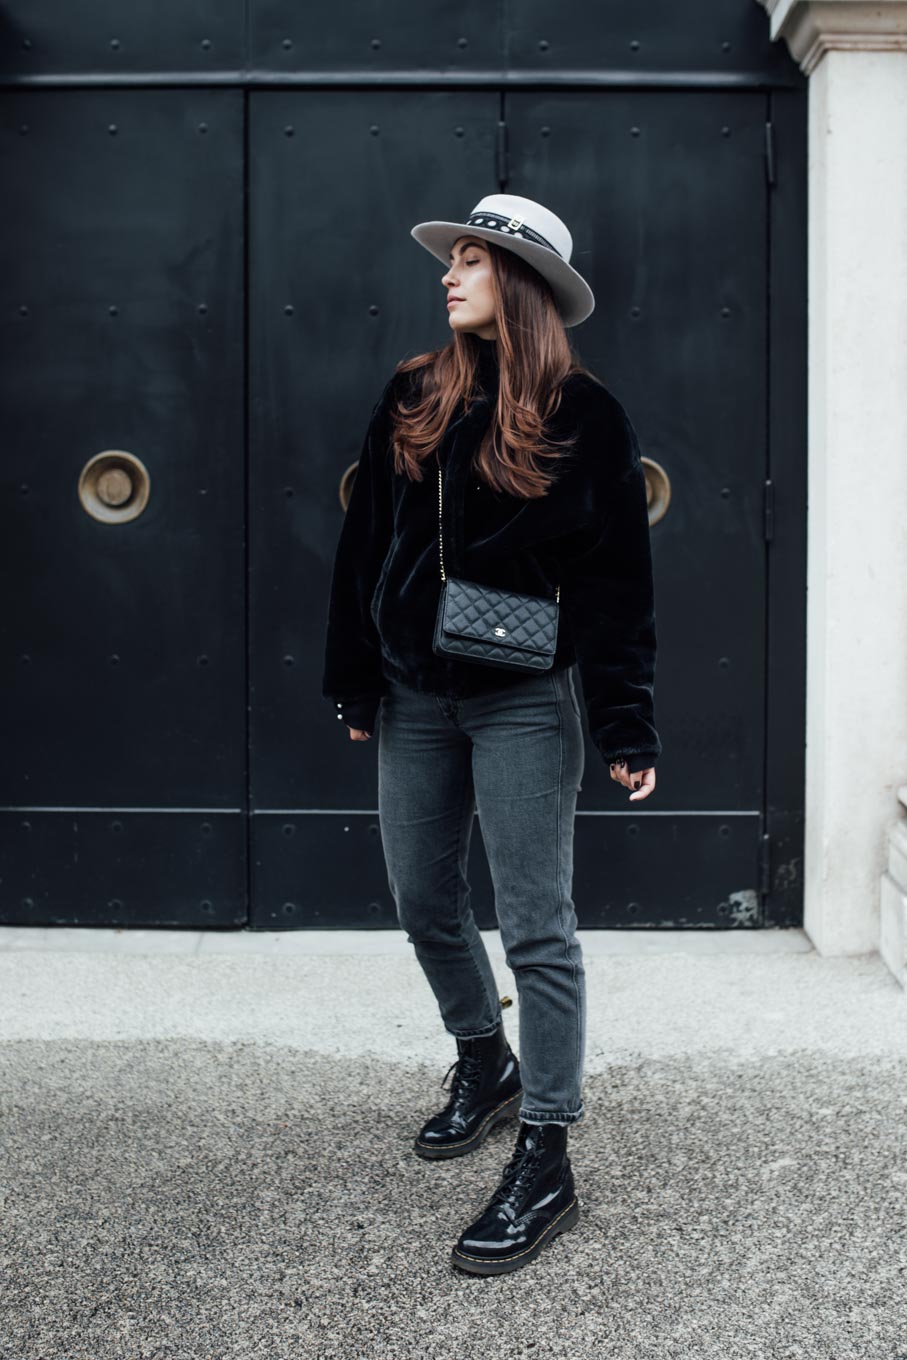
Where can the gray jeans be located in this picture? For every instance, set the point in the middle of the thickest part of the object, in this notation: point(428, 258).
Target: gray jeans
point(516, 756)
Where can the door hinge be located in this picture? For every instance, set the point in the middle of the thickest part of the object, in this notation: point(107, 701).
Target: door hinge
point(503, 170)
point(765, 864)
point(770, 155)
point(768, 510)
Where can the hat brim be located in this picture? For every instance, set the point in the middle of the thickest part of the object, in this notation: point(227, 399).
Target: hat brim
point(572, 295)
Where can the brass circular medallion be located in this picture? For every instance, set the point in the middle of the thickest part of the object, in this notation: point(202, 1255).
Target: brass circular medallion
point(114, 486)
point(658, 489)
point(346, 484)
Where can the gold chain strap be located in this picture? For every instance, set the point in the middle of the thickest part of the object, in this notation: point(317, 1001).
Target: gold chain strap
point(557, 591)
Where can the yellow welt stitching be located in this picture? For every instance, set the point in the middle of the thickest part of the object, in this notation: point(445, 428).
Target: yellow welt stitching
point(481, 1126)
point(466, 1256)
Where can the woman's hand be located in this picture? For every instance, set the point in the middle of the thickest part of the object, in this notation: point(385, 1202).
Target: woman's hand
point(356, 734)
point(641, 781)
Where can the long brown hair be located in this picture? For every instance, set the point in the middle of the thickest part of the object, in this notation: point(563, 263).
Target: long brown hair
point(534, 358)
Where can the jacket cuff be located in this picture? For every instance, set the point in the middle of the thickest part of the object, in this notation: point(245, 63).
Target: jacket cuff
point(359, 713)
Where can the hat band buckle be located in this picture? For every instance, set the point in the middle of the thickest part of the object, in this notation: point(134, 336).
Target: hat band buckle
point(510, 226)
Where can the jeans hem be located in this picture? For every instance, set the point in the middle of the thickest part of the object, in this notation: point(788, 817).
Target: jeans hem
point(475, 1033)
point(552, 1116)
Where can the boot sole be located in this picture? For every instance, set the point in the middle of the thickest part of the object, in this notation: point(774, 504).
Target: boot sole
point(481, 1265)
point(438, 1152)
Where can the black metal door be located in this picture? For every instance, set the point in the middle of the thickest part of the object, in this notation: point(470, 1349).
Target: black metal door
point(123, 633)
point(210, 277)
point(666, 192)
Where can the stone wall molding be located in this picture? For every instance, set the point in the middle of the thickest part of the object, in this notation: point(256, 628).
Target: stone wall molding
point(813, 27)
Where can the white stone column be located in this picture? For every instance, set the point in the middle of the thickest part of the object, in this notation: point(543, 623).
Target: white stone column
point(893, 900)
point(855, 53)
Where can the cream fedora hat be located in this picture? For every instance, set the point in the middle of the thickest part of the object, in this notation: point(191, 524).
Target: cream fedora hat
point(529, 230)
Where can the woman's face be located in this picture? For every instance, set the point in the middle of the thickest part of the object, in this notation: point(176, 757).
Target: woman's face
point(470, 296)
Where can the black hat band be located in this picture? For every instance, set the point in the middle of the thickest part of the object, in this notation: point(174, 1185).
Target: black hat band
point(510, 226)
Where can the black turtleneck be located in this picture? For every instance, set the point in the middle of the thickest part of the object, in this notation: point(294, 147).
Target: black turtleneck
point(488, 363)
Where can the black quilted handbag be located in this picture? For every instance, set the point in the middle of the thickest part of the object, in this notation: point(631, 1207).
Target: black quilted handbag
point(494, 627)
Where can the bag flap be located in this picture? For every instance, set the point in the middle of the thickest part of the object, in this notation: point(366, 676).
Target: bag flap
point(486, 614)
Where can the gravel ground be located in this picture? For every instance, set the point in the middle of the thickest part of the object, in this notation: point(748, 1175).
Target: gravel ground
point(208, 1158)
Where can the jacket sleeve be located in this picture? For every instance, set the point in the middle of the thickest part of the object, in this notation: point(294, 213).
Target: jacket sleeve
point(607, 595)
point(352, 677)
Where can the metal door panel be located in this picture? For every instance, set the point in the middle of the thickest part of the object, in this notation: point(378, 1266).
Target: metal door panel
point(651, 869)
point(723, 40)
point(123, 867)
point(727, 39)
point(106, 37)
point(123, 645)
point(631, 870)
point(666, 195)
point(393, 35)
point(340, 292)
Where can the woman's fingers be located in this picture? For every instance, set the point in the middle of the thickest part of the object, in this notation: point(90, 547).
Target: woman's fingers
point(356, 734)
point(640, 782)
point(643, 784)
point(620, 773)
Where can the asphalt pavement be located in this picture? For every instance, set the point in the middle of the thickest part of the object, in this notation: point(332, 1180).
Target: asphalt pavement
point(205, 1154)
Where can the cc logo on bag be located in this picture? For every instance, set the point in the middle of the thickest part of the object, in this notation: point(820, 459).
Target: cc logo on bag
point(500, 632)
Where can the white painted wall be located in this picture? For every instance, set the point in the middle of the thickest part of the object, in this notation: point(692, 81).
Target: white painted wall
point(857, 557)
point(855, 53)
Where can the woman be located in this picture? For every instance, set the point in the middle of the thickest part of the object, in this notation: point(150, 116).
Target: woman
point(543, 493)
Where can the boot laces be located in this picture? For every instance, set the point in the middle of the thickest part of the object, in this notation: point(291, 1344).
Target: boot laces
point(467, 1074)
point(518, 1175)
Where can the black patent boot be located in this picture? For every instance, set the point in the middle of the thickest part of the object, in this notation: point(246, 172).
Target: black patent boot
point(535, 1201)
point(485, 1089)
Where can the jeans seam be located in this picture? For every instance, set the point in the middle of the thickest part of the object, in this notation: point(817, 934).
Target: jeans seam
point(560, 903)
point(460, 902)
point(574, 701)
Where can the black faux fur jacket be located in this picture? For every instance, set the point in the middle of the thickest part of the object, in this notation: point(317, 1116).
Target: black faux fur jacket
point(589, 533)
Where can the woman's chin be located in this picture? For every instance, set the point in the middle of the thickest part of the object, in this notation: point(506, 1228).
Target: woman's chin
point(463, 323)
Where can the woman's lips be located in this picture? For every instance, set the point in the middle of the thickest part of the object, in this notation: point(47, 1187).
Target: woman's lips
point(451, 302)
